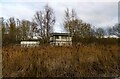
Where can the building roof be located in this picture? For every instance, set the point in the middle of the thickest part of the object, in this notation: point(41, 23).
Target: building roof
point(59, 34)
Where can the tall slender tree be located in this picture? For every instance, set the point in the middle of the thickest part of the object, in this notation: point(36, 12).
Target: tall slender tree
point(2, 26)
point(25, 25)
point(12, 29)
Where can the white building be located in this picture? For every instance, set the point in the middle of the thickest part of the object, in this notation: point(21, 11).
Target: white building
point(60, 39)
point(29, 43)
point(111, 36)
point(32, 42)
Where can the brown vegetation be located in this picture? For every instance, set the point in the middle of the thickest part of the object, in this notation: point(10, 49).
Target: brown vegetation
point(73, 61)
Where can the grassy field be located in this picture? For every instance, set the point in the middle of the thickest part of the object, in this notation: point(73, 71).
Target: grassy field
point(73, 61)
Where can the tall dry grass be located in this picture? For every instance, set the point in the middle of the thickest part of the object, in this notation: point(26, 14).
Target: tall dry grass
point(72, 61)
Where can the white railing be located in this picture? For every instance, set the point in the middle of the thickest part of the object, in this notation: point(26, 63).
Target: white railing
point(63, 39)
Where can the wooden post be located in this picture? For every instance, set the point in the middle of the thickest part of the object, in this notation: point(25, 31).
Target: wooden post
point(0, 54)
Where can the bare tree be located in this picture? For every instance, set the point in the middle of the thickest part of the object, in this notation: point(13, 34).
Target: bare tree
point(110, 31)
point(116, 29)
point(45, 21)
point(70, 21)
point(75, 26)
point(39, 20)
point(100, 32)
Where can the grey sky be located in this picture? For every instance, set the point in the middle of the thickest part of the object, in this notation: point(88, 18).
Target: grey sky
point(98, 14)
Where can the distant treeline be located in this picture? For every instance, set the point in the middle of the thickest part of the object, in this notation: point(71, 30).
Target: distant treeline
point(14, 30)
point(105, 41)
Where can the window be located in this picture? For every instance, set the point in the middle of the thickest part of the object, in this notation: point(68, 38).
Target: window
point(56, 37)
point(63, 37)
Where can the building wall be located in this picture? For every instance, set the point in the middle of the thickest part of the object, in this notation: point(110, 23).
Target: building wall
point(61, 40)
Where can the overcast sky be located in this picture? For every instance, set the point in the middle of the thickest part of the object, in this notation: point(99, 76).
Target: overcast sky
point(97, 13)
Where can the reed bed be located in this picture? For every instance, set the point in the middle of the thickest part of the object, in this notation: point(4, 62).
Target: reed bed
point(53, 61)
